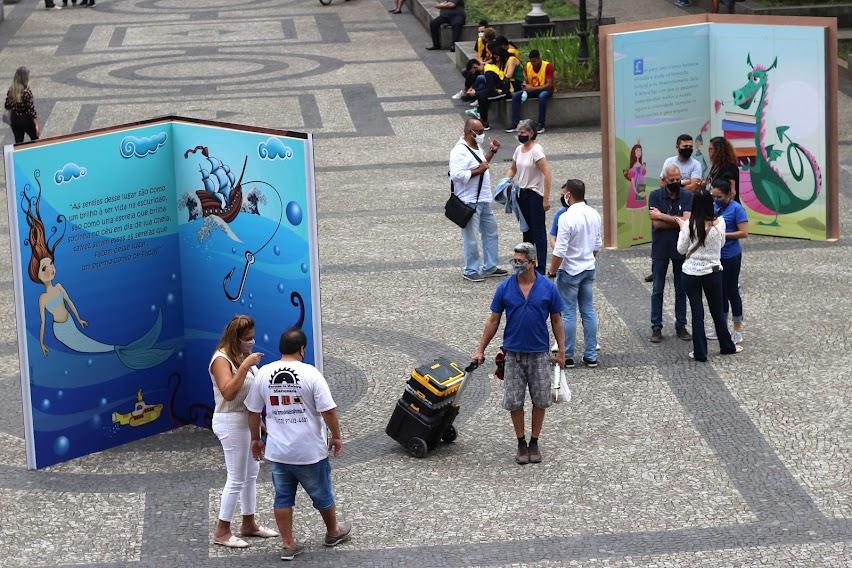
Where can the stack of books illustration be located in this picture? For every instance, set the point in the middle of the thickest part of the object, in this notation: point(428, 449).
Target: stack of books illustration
point(739, 129)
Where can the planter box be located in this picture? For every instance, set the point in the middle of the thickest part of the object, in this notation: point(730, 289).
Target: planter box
point(843, 12)
point(564, 109)
point(425, 13)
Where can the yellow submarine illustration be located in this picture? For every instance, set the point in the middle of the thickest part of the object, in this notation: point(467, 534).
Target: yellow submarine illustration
point(141, 414)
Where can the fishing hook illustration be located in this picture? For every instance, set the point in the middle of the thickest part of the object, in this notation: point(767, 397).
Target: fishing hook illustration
point(250, 255)
point(227, 279)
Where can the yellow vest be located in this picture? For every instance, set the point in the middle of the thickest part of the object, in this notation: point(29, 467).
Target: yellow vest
point(515, 51)
point(494, 69)
point(517, 68)
point(536, 79)
point(481, 50)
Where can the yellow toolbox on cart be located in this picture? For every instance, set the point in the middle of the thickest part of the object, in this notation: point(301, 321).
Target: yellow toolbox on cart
point(437, 380)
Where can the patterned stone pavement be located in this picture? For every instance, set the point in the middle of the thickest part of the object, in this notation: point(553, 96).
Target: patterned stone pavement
point(658, 461)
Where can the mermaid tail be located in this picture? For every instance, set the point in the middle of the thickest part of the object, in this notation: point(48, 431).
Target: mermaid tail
point(139, 354)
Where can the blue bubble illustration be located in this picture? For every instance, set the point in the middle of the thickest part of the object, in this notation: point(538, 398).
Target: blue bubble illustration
point(277, 250)
point(89, 362)
point(68, 173)
point(180, 354)
point(45, 405)
point(60, 394)
point(266, 338)
point(95, 422)
point(174, 276)
point(234, 250)
point(103, 402)
point(170, 298)
point(294, 213)
point(61, 446)
point(251, 306)
point(304, 268)
point(141, 147)
point(281, 287)
point(65, 372)
point(274, 149)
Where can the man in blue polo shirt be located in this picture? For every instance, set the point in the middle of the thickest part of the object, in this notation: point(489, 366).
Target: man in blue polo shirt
point(528, 298)
point(665, 205)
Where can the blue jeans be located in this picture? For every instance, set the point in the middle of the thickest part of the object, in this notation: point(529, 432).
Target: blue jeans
point(711, 284)
point(576, 290)
point(314, 478)
point(484, 224)
point(542, 96)
point(731, 287)
point(659, 268)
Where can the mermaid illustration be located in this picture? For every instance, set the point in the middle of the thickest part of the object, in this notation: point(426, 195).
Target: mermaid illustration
point(139, 354)
point(635, 174)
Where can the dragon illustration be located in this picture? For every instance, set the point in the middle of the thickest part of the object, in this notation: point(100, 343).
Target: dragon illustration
point(768, 193)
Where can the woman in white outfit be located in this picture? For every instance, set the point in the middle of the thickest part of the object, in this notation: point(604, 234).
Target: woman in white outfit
point(232, 370)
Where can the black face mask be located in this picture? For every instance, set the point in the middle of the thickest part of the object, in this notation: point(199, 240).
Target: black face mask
point(523, 138)
point(673, 187)
point(685, 153)
point(564, 201)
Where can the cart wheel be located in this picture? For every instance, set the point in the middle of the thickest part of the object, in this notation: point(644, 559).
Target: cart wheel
point(450, 434)
point(417, 447)
point(325, 2)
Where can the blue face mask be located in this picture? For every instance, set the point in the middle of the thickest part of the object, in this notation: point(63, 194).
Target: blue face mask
point(518, 267)
point(523, 138)
point(720, 203)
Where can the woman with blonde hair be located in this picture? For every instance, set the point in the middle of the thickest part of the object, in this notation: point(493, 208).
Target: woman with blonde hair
point(19, 102)
point(232, 371)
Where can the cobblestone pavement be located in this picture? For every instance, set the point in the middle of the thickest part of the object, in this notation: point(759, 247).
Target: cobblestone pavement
point(658, 461)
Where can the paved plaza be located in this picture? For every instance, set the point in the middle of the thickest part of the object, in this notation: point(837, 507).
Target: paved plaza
point(657, 461)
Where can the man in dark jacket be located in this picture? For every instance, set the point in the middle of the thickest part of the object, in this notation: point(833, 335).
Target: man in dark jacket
point(449, 12)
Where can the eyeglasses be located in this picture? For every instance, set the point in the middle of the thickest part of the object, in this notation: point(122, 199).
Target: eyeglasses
point(478, 132)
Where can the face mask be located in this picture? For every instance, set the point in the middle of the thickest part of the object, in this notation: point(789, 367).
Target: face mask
point(674, 187)
point(518, 267)
point(564, 201)
point(246, 347)
point(720, 203)
point(480, 139)
point(523, 138)
point(685, 153)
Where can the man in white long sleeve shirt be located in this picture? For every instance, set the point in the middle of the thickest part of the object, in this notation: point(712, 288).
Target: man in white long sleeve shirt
point(472, 184)
point(578, 241)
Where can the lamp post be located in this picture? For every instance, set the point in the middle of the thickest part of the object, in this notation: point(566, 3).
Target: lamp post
point(583, 32)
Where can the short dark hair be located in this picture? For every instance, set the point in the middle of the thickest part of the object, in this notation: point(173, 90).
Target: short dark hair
point(471, 63)
point(483, 23)
point(576, 188)
point(683, 138)
point(534, 54)
point(723, 184)
point(292, 340)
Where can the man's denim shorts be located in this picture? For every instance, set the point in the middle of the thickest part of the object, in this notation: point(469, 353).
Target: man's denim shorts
point(314, 478)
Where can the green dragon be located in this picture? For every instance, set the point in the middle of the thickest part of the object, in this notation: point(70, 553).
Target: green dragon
point(768, 193)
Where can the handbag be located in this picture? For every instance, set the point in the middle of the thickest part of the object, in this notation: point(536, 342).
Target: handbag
point(560, 391)
point(457, 210)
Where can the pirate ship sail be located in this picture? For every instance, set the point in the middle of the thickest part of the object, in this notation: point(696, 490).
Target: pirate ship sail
point(222, 195)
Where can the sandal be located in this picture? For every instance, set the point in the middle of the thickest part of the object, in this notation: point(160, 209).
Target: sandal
point(232, 542)
point(261, 532)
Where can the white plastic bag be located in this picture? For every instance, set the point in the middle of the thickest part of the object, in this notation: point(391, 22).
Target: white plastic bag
point(559, 386)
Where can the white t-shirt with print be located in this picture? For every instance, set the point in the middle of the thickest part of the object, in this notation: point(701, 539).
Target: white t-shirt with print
point(294, 394)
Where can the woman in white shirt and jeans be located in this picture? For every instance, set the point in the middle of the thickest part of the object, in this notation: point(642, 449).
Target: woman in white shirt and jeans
point(531, 173)
point(232, 370)
point(701, 238)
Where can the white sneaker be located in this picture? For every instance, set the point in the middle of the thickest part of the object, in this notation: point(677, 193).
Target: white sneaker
point(458, 95)
point(737, 337)
point(474, 104)
point(597, 347)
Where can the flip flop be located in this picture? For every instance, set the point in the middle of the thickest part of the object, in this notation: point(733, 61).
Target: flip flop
point(262, 532)
point(232, 542)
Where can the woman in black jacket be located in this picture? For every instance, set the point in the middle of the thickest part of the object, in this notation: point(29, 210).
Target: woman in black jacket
point(19, 102)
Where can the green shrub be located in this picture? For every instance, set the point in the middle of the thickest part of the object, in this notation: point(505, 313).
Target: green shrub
point(562, 51)
point(510, 10)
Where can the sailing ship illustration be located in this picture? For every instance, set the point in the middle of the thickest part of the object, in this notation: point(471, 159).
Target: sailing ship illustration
point(222, 195)
point(141, 414)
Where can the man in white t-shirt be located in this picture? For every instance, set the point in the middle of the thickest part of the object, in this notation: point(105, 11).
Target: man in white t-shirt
point(691, 172)
point(298, 407)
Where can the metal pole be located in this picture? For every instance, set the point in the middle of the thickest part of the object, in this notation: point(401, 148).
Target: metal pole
point(583, 32)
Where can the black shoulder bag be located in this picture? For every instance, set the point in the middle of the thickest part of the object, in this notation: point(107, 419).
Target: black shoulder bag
point(457, 210)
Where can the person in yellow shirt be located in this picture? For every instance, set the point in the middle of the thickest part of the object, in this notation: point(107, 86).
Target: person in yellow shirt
point(513, 70)
point(538, 84)
point(493, 88)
